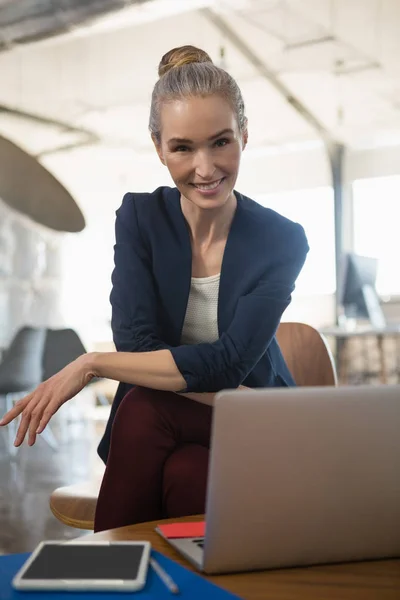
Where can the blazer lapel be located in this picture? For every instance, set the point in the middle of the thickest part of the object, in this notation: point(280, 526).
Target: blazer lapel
point(178, 264)
point(237, 266)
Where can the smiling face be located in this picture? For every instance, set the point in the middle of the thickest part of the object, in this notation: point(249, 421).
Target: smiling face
point(201, 145)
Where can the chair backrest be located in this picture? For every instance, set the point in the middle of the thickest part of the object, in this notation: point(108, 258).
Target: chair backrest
point(21, 367)
point(307, 355)
point(62, 347)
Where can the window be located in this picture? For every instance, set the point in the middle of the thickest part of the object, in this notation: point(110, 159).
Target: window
point(314, 210)
point(376, 228)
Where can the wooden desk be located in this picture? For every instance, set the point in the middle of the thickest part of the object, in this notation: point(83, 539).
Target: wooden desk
point(378, 580)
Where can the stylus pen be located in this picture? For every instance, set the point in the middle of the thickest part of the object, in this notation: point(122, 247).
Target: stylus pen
point(165, 578)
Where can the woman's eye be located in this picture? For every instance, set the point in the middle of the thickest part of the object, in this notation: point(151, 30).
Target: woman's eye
point(222, 142)
point(181, 149)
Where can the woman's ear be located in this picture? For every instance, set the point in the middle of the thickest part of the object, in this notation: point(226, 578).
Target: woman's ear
point(245, 136)
point(157, 144)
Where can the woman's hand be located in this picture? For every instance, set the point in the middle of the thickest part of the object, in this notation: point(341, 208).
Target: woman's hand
point(40, 405)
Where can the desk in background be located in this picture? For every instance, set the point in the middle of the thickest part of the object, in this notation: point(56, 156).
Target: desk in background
point(344, 339)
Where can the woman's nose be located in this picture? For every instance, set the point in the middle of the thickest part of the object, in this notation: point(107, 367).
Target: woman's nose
point(204, 165)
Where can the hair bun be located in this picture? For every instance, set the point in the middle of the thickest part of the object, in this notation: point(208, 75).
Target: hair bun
point(183, 55)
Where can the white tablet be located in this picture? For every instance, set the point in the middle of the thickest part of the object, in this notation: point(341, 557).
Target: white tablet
point(93, 566)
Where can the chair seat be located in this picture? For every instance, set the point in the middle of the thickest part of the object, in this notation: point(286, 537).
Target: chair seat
point(75, 505)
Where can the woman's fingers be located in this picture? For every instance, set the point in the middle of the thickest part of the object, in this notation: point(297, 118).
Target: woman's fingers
point(37, 414)
point(31, 411)
point(31, 415)
point(16, 410)
point(48, 413)
point(46, 416)
point(35, 420)
point(22, 429)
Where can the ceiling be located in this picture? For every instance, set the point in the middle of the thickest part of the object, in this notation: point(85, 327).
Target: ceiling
point(91, 83)
point(23, 22)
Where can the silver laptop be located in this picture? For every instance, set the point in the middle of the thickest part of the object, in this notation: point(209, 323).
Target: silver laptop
point(301, 476)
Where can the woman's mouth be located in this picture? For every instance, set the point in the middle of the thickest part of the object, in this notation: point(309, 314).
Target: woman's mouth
point(208, 189)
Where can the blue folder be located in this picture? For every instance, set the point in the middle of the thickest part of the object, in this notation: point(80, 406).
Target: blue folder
point(191, 585)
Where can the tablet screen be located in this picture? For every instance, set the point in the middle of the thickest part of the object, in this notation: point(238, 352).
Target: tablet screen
point(81, 561)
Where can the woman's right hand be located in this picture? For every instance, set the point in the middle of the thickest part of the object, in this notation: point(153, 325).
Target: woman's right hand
point(39, 406)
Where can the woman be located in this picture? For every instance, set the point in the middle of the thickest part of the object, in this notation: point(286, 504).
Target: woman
point(202, 276)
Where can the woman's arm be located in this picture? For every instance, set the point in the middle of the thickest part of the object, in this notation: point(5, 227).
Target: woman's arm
point(156, 370)
point(148, 369)
point(133, 298)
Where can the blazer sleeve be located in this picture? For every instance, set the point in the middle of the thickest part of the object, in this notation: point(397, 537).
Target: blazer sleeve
point(211, 367)
point(133, 298)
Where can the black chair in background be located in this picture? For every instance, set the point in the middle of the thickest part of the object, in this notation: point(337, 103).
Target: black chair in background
point(20, 372)
point(62, 346)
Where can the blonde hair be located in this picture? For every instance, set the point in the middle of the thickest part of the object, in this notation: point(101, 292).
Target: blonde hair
point(188, 71)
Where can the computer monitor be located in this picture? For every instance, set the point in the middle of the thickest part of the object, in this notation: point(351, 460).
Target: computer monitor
point(359, 297)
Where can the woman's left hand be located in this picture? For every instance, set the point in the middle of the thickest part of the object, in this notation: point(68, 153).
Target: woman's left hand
point(39, 406)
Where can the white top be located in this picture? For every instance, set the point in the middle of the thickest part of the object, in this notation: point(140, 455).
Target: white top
point(201, 319)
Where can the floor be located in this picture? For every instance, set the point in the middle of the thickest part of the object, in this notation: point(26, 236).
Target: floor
point(27, 480)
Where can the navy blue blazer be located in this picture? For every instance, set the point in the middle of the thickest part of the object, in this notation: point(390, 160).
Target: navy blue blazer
point(151, 280)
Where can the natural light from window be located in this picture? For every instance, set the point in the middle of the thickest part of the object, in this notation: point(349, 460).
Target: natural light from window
point(314, 210)
point(376, 228)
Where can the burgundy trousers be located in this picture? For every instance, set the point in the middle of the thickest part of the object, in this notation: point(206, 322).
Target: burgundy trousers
point(158, 460)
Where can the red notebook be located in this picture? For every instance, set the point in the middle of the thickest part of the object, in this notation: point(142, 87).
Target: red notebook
point(183, 530)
